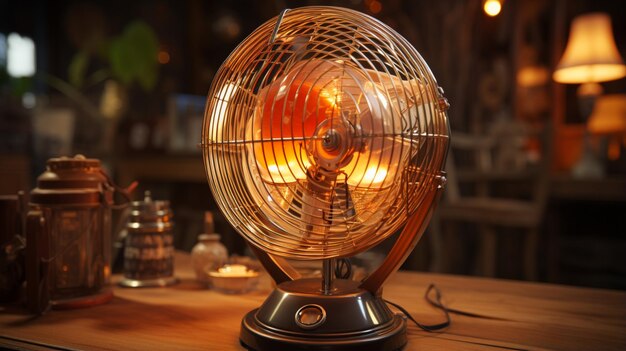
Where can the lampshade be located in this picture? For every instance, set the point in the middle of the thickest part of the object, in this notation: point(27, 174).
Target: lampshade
point(591, 54)
point(609, 115)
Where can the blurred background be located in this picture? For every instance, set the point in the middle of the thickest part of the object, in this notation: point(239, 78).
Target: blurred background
point(537, 173)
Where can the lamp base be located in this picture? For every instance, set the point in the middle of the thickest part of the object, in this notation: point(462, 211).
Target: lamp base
point(589, 166)
point(297, 316)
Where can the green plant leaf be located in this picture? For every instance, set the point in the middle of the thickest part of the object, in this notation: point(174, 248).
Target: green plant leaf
point(121, 61)
point(148, 77)
point(77, 68)
point(133, 55)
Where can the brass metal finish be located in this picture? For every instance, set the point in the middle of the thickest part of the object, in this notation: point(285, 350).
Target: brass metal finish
point(411, 234)
point(324, 133)
point(278, 268)
point(322, 90)
point(68, 235)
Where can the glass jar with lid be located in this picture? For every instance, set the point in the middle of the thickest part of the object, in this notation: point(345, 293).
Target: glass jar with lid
point(209, 253)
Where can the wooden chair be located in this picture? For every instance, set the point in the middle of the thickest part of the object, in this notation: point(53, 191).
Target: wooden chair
point(498, 157)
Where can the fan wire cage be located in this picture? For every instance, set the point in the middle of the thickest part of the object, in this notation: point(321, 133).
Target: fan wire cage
point(324, 132)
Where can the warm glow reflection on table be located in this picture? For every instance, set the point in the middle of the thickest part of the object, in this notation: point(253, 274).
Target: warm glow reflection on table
point(185, 317)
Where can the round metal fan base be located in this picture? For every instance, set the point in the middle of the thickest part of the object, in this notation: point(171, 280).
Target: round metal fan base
point(298, 316)
point(260, 338)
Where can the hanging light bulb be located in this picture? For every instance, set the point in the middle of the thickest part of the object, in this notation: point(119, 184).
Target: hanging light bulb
point(492, 7)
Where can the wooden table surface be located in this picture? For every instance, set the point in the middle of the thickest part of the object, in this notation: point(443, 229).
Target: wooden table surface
point(522, 316)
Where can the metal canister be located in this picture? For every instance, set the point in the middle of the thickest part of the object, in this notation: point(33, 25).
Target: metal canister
point(149, 244)
point(68, 236)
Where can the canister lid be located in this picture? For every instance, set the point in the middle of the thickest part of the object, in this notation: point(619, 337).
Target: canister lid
point(150, 213)
point(71, 181)
point(78, 162)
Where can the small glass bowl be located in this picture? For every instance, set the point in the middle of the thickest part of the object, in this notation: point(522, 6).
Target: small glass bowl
point(233, 279)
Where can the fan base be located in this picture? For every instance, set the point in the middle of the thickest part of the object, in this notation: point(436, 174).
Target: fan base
point(296, 316)
point(256, 337)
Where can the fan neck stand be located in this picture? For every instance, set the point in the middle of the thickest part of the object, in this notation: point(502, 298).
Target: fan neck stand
point(327, 276)
point(339, 314)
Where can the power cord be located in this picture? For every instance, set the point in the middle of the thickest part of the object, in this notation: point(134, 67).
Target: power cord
point(437, 303)
point(343, 270)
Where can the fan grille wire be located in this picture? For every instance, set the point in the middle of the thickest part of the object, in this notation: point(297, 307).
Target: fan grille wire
point(282, 93)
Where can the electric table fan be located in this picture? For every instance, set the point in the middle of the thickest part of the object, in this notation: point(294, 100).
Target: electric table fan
point(324, 133)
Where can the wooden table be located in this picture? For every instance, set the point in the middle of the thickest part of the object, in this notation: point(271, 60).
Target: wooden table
point(185, 317)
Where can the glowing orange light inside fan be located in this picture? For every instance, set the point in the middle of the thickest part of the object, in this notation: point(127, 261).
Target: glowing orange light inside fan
point(319, 103)
point(289, 115)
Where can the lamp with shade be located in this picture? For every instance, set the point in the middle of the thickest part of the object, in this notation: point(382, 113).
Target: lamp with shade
point(609, 119)
point(591, 57)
